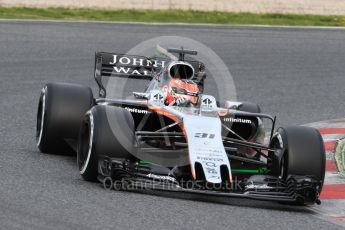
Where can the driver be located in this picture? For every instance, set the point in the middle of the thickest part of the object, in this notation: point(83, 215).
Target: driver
point(181, 92)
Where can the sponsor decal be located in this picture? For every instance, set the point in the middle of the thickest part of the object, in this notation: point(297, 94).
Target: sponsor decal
point(207, 102)
point(130, 71)
point(159, 177)
point(237, 120)
point(134, 61)
point(135, 110)
point(204, 135)
point(158, 97)
point(258, 186)
point(131, 65)
point(210, 159)
point(207, 151)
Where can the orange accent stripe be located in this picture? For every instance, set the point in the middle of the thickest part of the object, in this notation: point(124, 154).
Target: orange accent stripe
point(174, 118)
point(164, 113)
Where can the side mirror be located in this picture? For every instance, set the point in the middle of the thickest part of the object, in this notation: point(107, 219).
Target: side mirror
point(139, 95)
point(232, 104)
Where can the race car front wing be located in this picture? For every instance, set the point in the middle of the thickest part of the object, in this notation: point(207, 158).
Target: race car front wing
point(124, 175)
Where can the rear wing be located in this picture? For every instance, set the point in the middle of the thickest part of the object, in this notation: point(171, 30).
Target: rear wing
point(124, 66)
point(135, 66)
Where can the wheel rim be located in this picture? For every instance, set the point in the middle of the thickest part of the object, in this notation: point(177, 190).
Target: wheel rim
point(86, 143)
point(41, 116)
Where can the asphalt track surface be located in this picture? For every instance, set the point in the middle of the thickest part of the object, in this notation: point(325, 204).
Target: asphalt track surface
point(296, 74)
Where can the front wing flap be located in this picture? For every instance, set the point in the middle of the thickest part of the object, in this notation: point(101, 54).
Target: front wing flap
point(121, 175)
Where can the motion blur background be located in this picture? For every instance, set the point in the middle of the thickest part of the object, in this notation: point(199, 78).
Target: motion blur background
point(320, 7)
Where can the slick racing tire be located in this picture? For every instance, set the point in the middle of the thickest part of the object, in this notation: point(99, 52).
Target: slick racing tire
point(60, 111)
point(304, 153)
point(98, 139)
point(249, 107)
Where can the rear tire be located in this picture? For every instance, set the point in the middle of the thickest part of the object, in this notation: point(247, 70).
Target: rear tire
point(61, 108)
point(97, 139)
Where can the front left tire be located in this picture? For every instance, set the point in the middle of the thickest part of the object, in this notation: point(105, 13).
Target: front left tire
point(300, 153)
point(106, 131)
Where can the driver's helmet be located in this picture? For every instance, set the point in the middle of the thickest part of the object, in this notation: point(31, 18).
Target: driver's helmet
point(182, 88)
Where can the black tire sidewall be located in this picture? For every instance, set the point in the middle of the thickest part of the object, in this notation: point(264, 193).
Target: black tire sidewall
point(57, 125)
point(304, 152)
point(90, 172)
point(104, 142)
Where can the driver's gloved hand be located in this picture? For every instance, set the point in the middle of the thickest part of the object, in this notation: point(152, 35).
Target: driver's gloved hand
point(181, 101)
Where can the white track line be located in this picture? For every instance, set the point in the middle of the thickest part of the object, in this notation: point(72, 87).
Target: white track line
point(177, 24)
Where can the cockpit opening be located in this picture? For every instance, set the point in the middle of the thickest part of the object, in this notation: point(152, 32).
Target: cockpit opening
point(181, 70)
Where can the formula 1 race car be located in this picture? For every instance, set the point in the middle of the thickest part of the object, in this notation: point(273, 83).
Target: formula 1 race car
point(173, 137)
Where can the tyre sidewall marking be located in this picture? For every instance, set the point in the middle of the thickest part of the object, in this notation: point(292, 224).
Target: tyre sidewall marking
point(85, 165)
point(44, 92)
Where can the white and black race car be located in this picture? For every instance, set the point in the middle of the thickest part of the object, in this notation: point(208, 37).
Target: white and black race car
point(174, 137)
